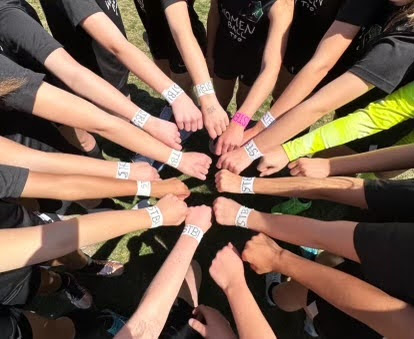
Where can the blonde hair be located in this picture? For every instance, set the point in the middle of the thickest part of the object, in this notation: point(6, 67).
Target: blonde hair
point(404, 16)
point(10, 85)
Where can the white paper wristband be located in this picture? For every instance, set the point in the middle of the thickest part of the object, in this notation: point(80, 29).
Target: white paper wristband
point(155, 214)
point(193, 231)
point(175, 158)
point(252, 151)
point(123, 171)
point(268, 120)
point(247, 185)
point(242, 217)
point(204, 89)
point(172, 93)
point(140, 118)
point(144, 188)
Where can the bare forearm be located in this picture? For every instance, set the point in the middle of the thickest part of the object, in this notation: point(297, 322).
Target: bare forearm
point(33, 245)
point(249, 319)
point(155, 306)
point(335, 236)
point(345, 190)
point(393, 158)
point(388, 316)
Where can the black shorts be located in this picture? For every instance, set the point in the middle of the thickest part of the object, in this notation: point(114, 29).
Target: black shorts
point(231, 63)
point(332, 323)
point(13, 324)
point(177, 326)
point(83, 48)
point(391, 198)
point(160, 40)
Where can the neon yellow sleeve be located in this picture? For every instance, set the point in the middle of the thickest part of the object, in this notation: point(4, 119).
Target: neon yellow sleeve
point(376, 117)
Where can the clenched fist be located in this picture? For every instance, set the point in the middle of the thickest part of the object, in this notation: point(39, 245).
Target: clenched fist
point(225, 211)
point(227, 181)
point(173, 210)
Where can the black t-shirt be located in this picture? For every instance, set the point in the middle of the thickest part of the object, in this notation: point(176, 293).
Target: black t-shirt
point(243, 24)
point(313, 18)
point(64, 18)
point(389, 61)
point(386, 255)
point(166, 3)
point(12, 181)
point(23, 98)
point(22, 37)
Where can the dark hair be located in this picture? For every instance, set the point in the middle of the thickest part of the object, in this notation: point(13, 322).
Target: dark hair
point(10, 85)
point(403, 17)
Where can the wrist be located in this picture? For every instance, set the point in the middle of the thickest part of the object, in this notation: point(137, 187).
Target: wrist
point(333, 166)
point(208, 100)
point(235, 287)
point(282, 262)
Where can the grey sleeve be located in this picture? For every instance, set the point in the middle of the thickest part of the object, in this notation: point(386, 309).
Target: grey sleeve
point(12, 181)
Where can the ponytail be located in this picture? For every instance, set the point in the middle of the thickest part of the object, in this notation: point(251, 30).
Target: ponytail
point(10, 85)
point(404, 17)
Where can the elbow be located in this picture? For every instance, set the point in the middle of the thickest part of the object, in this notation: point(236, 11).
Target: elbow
point(319, 67)
point(117, 48)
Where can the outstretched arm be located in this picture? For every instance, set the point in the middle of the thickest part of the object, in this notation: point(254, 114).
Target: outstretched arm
point(33, 245)
point(215, 118)
point(280, 16)
point(390, 317)
point(387, 159)
point(152, 313)
point(57, 105)
point(228, 273)
point(105, 32)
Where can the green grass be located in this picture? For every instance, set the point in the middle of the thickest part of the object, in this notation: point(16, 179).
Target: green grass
point(144, 252)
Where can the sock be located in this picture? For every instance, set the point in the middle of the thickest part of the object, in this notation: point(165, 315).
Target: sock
point(95, 153)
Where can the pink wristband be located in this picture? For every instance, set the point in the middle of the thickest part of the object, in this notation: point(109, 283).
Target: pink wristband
point(241, 119)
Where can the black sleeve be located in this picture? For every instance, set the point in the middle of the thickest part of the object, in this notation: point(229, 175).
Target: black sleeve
point(23, 98)
point(385, 252)
point(23, 35)
point(79, 10)
point(12, 181)
point(360, 13)
point(375, 69)
point(167, 3)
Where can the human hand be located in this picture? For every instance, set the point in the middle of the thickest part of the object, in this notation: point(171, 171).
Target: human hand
point(143, 171)
point(231, 139)
point(195, 165)
point(225, 211)
point(263, 254)
point(235, 161)
point(216, 326)
point(228, 182)
point(273, 162)
point(227, 269)
point(164, 131)
point(199, 216)
point(313, 168)
point(215, 117)
point(173, 186)
point(173, 210)
point(186, 114)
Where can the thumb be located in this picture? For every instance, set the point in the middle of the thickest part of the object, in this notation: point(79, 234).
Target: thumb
point(198, 327)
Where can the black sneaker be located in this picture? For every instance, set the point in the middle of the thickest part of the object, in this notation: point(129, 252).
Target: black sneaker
point(102, 268)
point(77, 294)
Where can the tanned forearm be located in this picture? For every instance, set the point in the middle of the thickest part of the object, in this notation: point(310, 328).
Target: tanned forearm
point(33, 245)
point(148, 321)
point(392, 158)
point(249, 318)
point(389, 316)
point(344, 190)
point(335, 236)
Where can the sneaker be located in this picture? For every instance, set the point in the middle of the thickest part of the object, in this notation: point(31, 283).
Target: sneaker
point(309, 327)
point(272, 280)
point(114, 321)
point(293, 206)
point(309, 252)
point(102, 268)
point(77, 294)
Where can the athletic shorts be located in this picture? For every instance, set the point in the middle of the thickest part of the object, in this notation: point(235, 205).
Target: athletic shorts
point(177, 326)
point(391, 198)
point(13, 324)
point(332, 323)
point(160, 40)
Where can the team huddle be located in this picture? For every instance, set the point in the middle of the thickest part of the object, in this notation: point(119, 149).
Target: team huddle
point(62, 92)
